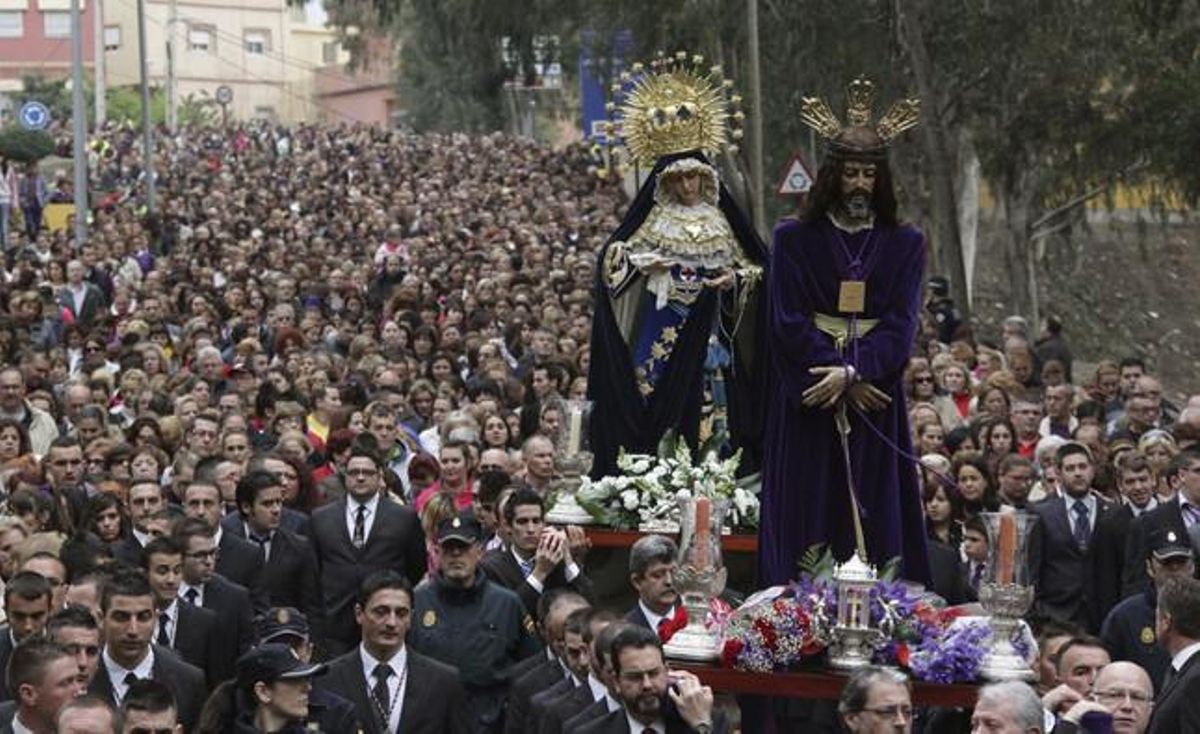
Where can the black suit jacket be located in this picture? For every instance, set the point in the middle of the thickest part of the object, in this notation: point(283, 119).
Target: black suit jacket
point(128, 550)
point(241, 562)
point(523, 690)
point(501, 567)
point(1167, 515)
point(6, 650)
point(563, 708)
point(185, 681)
point(396, 542)
point(594, 711)
point(235, 623)
point(540, 703)
point(1061, 573)
point(290, 576)
point(1177, 706)
point(197, 637)
point(433, 697)
point(617, 723)
point(1109, 568)
point(948, 578)
point(635, 616)
point(8, 712)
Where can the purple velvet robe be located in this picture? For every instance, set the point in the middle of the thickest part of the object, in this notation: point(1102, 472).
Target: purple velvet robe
point(805, 498)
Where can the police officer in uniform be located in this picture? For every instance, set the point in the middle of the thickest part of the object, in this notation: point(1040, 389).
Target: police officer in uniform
point(462, 619)
point(941, 310)
point(1128, 631)
point(288, 626)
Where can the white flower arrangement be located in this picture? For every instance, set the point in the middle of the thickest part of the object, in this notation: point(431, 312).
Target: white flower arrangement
point(644, 495)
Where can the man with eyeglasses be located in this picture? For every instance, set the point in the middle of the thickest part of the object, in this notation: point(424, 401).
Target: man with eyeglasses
point(76, 629)
point(38, 424)
point(876, 700)
point(203, 587)
point(1122, 695)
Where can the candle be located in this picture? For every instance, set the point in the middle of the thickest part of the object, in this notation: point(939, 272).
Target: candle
point(701, 537)
point(573, 433)
point(1006, 548)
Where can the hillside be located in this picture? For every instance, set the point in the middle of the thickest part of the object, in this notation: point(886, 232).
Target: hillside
point(1120, 288)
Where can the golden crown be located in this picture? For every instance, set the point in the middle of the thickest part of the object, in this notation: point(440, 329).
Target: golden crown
point(860, 99)
point(674, 106)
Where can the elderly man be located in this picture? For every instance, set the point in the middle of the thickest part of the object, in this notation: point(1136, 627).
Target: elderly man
point(876, 700)
point(1007, 708)
point(13, 405)
point(83, 299)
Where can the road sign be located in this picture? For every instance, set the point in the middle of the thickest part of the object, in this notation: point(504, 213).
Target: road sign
point(797, 179)
point(34, 115)
point(224, 94)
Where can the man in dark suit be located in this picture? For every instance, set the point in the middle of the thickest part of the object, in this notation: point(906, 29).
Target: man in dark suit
point(202, 586)
point(654, 699)
point(393, 687)
point(238, 559)
point(143, 502)
point(192, 632)
point(27, 603)
point(291, 573)
point(1061, 552)
point(574, 659)
point(1136, 482)
point(537, 557)
point(549, 713)
point(651, 566)
point(127, 604)
point(44, 678)
point(356, 536)
point(294, 520)
point(1177, 706)
point(554, 607)
point(603, 670)
point(76, 629)
point(1181, 516)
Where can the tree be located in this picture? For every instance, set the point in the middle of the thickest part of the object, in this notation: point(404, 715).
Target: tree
point(26, 146)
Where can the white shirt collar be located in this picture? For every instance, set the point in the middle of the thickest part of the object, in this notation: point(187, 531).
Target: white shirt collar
point(1184, 655)
point(397, 661)
point(611, 703)
point(1138, 511)
point(653, 618)
point(18, 726)
point(183, 590)
point(217, 535)
point(637, 727)
point(352, 505)
point(397, 682)
point(142, 538)
point(117, 673)
point(598, 689)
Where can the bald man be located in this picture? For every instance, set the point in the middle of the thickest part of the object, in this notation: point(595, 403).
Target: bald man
point(1122, 690)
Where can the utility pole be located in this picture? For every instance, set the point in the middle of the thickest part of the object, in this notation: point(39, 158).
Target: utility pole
point(756, 124)
point(79, 125)
point(172, 92)
point(147, 133)
point(101, 82)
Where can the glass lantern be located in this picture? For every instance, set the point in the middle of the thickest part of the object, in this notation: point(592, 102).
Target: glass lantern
point(572, 460)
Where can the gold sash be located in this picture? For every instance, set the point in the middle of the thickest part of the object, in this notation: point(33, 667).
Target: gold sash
point(840, 328)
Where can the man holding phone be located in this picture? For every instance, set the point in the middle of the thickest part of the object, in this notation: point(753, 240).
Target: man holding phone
point(654, 700)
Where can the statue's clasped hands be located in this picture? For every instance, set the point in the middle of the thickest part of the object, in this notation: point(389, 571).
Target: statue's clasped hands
point(839, 380)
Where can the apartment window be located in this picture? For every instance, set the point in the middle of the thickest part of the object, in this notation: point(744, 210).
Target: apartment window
point(264, 112)
point(257, 42)
point(200, 38)
point(112, 37)
point(56, 24)
point(329, 52)
point(11, 25)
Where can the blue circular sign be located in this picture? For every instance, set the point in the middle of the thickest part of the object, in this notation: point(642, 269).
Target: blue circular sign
point(34, 115)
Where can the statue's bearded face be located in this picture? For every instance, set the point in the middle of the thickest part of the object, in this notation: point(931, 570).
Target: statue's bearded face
point(858, 186)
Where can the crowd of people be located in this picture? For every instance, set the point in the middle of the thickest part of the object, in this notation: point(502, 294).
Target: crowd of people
point(278, 454)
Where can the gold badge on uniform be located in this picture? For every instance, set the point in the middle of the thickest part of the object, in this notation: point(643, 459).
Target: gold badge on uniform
point(528, 623)
point(430, 618)
point(282, 616)
point(1147, 636)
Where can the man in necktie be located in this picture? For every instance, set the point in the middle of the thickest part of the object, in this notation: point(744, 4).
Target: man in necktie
point(1061, 552)
point(652, 565)
point(191, 631)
